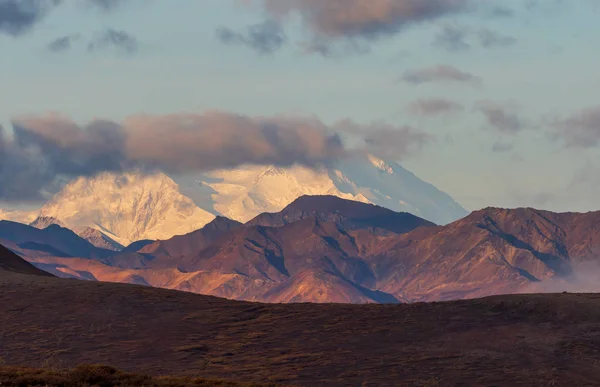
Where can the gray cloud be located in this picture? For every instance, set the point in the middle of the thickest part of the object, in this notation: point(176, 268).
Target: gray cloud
point(460, 38)
point(502, 147)
point(501, 11)
point(264, 38)
point(19, 16)
point(452, 38)
point(44, 148)
point(106, 5)
point(501, 116)
point(492, 39)
point(111, 38)
point(440, 73)
point(434, 106)
point(384, 140)
point(581, 130)
point(335, 20)
point(63, 43)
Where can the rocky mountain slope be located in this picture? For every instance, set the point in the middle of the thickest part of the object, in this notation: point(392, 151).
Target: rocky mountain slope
point(324, 249)
point(327, 249)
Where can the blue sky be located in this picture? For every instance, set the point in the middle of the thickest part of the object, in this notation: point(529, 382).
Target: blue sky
point(540, 72)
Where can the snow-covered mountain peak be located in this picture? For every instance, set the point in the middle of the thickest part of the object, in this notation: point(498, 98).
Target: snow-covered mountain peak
point(44, 221)
point(135, 206)
point(380, 164)
point(127, 207)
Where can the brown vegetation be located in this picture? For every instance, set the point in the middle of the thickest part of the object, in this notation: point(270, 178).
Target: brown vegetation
point(102, 376)
point(530, 340)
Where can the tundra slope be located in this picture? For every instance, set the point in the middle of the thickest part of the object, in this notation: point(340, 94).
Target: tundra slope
point(532, 340)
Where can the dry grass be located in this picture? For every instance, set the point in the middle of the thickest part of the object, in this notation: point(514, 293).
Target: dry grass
point(520, 340)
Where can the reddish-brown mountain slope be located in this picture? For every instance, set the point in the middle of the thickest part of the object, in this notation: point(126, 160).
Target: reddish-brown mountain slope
point(308, 254)
point(12, 263)
point(348, 214)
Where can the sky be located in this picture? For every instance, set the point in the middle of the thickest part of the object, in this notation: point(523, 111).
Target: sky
point(496, 103)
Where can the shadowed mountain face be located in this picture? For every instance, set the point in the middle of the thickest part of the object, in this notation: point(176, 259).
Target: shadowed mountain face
point(326, 249)
point(12, 263)
point(51, 240)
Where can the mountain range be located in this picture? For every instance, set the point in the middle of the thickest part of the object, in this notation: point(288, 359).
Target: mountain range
point(328, 249)
point(128, 207)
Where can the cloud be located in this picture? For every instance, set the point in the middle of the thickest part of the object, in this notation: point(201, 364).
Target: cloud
point(337, 20)
point(459, 38)
point(111, 38)
point(440, 73)
point(63, 43)
point(264, 38)
point(452, 38)
point(501, 116)
point(491, 39)
point(384, 140)
point(581, 130)
point(46, 147)
point(19, 16)
point(434, 106)
point(106, 5)
point(501, 12)
point(502, 147)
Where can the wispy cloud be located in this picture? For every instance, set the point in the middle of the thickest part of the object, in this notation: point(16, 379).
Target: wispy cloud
point(440, 73)
point(452, 38)
point(116, 39)
point(501, 116)
point(460, 38)
point(63, 43)
point(18, 17)
point(434, 106)
point(264, 38)
point(580, 130)
point(492, 39)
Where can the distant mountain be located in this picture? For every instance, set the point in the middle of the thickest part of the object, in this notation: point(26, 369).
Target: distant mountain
point(246, 192)
point(12, 263)
point(348, 214)
point(129, 207)
point(95, 237)
point(99, 239)
point(194, 242)
point(311, 253)
point(44, 221)
point(52, 240)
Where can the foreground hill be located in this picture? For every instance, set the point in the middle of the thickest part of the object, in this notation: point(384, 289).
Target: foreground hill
point(84, 375)
point(532, 340)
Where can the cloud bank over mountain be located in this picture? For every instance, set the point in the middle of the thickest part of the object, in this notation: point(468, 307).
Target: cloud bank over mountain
point(45, 147)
